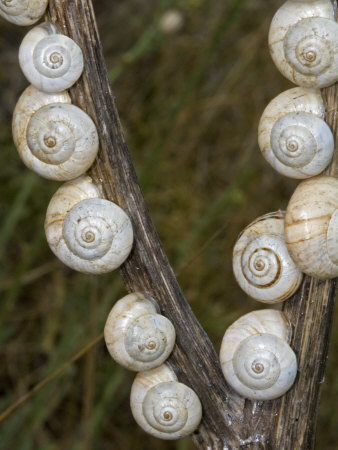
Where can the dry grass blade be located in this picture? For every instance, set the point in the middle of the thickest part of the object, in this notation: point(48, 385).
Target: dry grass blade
point(48, 379)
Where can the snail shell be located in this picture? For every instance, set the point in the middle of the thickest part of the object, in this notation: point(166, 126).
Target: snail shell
point(162, 406)
point(311, 224)
point(55, 139)
point(293, 136)
point(85, 231)
point(261, 263)
point(137, 337)
point(49, 60)
point(303, 42)
point(255, 356)
point(23, 12)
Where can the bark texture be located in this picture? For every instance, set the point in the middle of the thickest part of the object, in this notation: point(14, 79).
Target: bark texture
point(229, 422)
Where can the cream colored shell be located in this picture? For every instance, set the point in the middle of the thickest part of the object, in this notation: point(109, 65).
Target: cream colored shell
point(49, 60)
point(55, 139)
point(293, 136)
point(23, 12)
point(136, 335)
point(311, 227)
point(303, 42)
point(87, 233)
point(162, 406)
point(255, 356)
point(261, 263)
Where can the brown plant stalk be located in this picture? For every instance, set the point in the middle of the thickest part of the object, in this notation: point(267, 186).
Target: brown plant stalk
point(229, 421)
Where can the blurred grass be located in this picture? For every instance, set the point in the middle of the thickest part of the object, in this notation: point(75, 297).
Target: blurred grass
point(190, 102)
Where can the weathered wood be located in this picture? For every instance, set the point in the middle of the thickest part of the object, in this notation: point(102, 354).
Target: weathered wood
point(147, 269)
point(228, 420)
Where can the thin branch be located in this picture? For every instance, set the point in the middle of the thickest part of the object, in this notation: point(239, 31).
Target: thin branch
point(49, 378)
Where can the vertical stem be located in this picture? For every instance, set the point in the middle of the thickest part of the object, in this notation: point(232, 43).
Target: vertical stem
point(229, 422)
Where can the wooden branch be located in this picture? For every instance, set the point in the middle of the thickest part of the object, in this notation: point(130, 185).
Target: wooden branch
point(229, 422)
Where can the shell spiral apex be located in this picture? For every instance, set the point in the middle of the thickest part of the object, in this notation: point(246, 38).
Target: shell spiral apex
point(261, 263)
point(137, 337)
point(89, 234)
point(162, 406)
point(303, 42)
point(255, 356)
point(23, 12)
point(311, 227)
point(51, 61)
point(57, 140)
point(293, 136)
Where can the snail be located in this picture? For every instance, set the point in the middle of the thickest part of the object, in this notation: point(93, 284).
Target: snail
point(136, 335)
point(255, 355)
point(162, 406)
point(293, 136)
point(85, 231)
point(303, 42)
point(311, 224)
point(23, 12)
point(261, 263)
point(49, 60)
point(55, 139)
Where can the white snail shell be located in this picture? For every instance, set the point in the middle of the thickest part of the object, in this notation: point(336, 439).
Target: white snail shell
point(261, 263)
point(255, 356)
point(49, 60)
point(136, 335)
point(293, 136)
point(162, 406)
point(311, 227)
point(87, 233)
point(23, 12)
point(55, 139)
point(303, 42)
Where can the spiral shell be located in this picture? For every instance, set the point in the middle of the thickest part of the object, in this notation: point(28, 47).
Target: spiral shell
point(162, 406)
point(303, 42)
point(311, 227)
point(293, 136)
point(49, 60)
point(22, 12)
point(87, 233)
point(255, 356)
point(261, 263)
point(137, 337)
point(55, 139)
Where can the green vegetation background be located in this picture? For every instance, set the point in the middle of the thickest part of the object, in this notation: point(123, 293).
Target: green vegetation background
point(190, 102)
